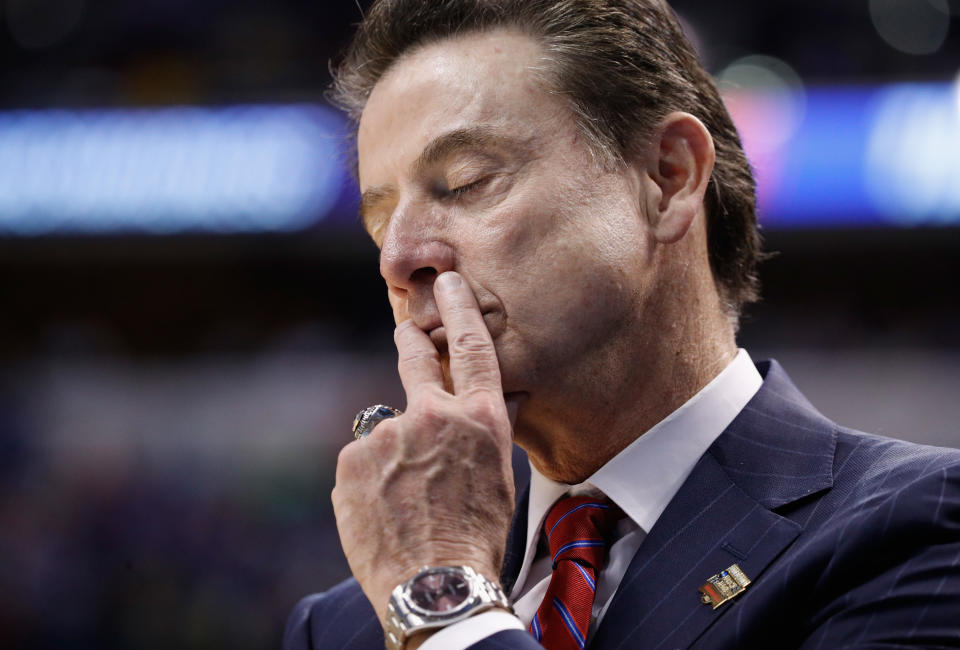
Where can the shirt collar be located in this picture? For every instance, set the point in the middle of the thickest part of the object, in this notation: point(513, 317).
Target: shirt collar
point(645, 476)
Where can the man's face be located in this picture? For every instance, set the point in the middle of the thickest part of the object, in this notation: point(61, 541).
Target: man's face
point(468, 163)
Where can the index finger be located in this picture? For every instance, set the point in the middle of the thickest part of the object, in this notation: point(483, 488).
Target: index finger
point(473, 359)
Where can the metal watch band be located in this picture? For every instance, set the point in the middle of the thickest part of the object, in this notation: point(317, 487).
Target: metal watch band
point(405, 619)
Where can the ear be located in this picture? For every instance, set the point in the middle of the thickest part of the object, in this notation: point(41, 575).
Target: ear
point(678, 168)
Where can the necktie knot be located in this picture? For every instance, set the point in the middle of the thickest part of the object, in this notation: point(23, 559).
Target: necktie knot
point(579, 528)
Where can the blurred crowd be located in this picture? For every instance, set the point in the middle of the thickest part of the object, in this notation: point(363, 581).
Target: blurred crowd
point(166, 464)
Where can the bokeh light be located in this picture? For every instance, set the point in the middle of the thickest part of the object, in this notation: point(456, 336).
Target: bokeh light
point(767, 101)
point(767, 96)
point(912, 26)
point(912, 171)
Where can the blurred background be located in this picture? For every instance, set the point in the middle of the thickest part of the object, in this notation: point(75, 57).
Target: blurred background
point(191, 315)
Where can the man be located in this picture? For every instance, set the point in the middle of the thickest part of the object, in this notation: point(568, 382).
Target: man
point(567, 232)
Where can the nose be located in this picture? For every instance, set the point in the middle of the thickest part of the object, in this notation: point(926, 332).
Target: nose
point(412, 254)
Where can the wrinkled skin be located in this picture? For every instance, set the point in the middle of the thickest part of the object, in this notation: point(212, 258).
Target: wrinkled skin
point(435, 485)
point(531, 287)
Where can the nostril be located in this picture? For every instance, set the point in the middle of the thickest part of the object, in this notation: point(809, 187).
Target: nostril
point(424, 274)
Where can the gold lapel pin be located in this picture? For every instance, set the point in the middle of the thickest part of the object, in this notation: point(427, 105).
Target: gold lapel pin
point(722, 587)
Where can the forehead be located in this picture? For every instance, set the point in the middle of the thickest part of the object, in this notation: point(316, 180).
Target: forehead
point(490, 79)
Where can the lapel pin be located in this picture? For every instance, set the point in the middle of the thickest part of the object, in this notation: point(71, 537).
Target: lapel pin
point(722, 587)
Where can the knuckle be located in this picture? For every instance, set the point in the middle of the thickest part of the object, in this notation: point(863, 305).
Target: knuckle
point(431, 398)
point(412, 357)
point(432, 414)
point(387, 428)
point(485, 406)
point(403, 327)
point(429, 414)
point(345, 458)
point(470, 344)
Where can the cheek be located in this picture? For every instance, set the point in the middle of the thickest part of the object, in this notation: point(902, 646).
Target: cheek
point(584, 288)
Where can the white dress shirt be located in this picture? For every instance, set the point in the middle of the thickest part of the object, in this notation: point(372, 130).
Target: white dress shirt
point(642, 479)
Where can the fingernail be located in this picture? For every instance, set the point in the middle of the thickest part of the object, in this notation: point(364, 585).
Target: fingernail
point(449, 281)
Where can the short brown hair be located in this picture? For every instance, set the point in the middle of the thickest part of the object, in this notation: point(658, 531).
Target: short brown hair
point(623, 64)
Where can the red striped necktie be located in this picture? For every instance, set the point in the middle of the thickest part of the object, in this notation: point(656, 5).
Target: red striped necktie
point(578, 531)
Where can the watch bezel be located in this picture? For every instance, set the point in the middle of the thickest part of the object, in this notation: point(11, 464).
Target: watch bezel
point(405, 617)
point(433, 614)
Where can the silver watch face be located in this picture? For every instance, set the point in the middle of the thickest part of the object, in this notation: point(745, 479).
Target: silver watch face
point(440, 591)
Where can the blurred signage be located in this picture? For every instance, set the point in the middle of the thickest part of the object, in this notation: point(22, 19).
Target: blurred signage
point(854, 156)
point(824, 156)
point(170, 170)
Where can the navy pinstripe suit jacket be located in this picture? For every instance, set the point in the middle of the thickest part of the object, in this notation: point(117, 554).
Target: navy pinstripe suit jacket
point(851, 540)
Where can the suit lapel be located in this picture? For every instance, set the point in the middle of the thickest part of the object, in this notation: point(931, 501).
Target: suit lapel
point(517, 536)
point(516, 543)
point(776, 451)
point(658, 602)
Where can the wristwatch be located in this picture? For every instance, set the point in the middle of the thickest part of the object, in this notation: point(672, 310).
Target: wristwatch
point(436, 597)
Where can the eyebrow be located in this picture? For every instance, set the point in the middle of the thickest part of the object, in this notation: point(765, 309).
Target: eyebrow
point(438, 149)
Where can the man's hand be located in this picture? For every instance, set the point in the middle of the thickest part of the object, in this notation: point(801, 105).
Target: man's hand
point(433, 486)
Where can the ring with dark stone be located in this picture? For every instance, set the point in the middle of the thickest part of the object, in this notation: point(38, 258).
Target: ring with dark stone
point(370, 417)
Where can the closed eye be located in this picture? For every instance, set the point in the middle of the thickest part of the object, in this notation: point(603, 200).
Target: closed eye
point(457, 192)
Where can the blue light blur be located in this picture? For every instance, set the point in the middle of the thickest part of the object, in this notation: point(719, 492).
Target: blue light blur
point(860, 156)
point(171, 170)
point(866, 156)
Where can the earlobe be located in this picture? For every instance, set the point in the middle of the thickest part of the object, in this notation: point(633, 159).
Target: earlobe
point(679, 167)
